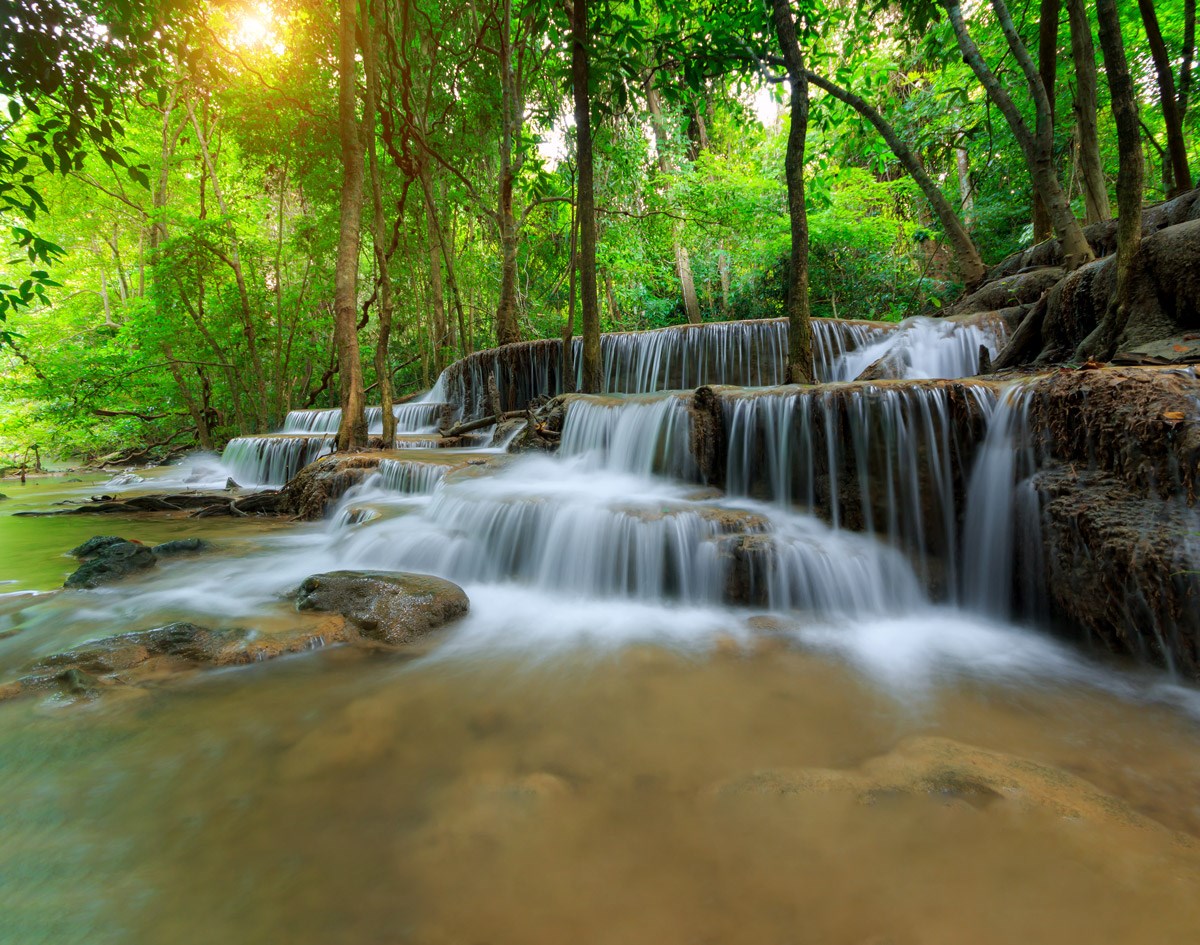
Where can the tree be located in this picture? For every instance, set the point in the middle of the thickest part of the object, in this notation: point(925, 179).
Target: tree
point(352, 430)
point(1103, 340)
point(1176, 148)
point(1037, 145)
point(593, 378)
point(969, 261)
point(1091, 170)
point(799, 357)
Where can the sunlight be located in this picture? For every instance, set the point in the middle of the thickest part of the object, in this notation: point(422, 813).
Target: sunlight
point(256, 29)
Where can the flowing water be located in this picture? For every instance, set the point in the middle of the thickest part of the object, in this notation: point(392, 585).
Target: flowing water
point(674, 714)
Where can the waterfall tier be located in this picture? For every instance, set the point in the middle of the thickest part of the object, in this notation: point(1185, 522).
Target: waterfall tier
point(744, 354)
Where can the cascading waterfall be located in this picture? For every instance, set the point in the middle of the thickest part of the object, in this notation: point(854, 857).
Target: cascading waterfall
point(744, 354)
point(638, 435)
point(415, 417)
point(1002, 524)
point(876, 458)
point(410, 478)
point(272, 460)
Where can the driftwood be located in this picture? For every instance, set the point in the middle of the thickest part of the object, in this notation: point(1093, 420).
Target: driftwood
point(200, 504)
point(471, 425)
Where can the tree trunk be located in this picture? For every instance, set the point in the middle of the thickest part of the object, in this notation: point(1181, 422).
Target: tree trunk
point(1176, 147)
point(507, 329)
point(725, 275)
point(580, 41)
point(352, 431)
point(1186, 54)
point(436, 289)
point(1091, 171)
point(966, 191)
point(969, 261)
point(1037, 146)
point(568, 332)
point(383, 370)
point(799, 369)
point(1103, 341)
point(683, 263)
point(1043, 226)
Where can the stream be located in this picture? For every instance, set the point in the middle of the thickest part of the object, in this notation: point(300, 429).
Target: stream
point(609, 748)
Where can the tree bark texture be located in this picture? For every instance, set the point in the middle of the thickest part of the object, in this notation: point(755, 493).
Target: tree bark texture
point(800, 358)
point(1043, 226)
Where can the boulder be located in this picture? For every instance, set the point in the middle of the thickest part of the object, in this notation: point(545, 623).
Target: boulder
point(386, 606)
point(310, 493)
point(107, 559)
point(181, 546)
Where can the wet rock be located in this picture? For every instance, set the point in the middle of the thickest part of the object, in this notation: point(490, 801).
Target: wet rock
point(1021, 288)
point(386, 606)
point(230, 484)
point(109, 561)
point(75, 682)
point(94, 545)
point(2, 497)
point(1122, 566)
point(310, 493)
point(181, 546)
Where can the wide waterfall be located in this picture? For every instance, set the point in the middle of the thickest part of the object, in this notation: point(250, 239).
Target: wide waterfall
point(744, 354)
point(273, 460)
point(889, 461)
point(415, 417)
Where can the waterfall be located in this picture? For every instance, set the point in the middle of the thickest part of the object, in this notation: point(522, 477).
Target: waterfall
point(744, 354)
point(272, 460)
point(1002, 527)
point(638, 435)
point(412, 417)
point(410, 478)
point(877, 458)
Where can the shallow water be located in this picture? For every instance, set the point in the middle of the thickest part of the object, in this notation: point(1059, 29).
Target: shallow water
point(593, 754)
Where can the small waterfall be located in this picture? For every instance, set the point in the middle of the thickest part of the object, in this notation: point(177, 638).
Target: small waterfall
point(1002, 527)
point(412, 417)
point(410, 478)
point(885, 460)
point(922, 348)
point(638, 435)
point(274, 459)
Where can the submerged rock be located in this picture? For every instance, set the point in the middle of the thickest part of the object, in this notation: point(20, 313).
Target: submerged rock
point(181, 546)
point(387, 606)
point(107, 559)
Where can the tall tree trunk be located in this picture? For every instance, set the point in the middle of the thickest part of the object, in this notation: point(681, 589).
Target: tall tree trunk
point(1091, 171)
point(967, 256)
point(966, 190)
point(436, 290)
point(1038, 145)
point(1186, 56)
point(725, 275)
point(507, 327)
point(568, 332)
point(352, 431)
point(799, 368)
point(683, 262)
point(1043, 226)
point(593, 377)
point(383, 369)
point(1176, 147)
point(1103, 341)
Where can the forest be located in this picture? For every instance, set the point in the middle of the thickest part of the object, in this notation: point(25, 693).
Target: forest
point(221, 212)
point(616, 472)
